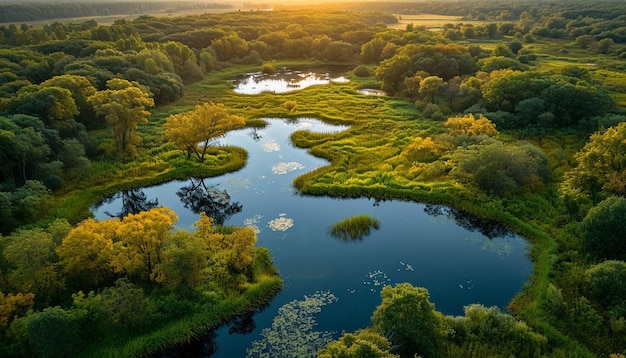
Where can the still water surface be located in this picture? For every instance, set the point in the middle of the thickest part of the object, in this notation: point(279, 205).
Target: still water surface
point(428, 246)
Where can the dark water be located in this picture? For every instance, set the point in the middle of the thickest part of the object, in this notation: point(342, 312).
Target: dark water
point(459, 259)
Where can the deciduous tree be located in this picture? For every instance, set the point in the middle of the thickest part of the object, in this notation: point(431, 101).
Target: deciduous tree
point(469, 125)
point(81, 89)
point(193, 132)
point(409, 319)
point(141, 236)
point(87, 251)
point(601, 163)
point(124, 105)
point(363, 344)
point(604, 227)
point(31, 253)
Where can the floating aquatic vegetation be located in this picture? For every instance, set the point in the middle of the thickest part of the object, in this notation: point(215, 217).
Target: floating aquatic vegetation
point(407, 267)
point(253, 223)
point(291, 333)
point(271, 146)
point(376, 280)
point(245, 183)
point(282, 223)
point(502, 247)
point(353, 228)
point(283, 168)
point(466, 284)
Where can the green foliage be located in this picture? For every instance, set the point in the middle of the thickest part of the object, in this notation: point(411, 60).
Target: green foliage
point(568, 103)
point(500, 169)
point(53, 332)
point(601, 164)
point(603, 229)
point(362, 344)
point(353, 228)
point(124, 105)
point(501, 333)
point(373, 158)
point(606, 284)
point(409, 319)
point(362, 71)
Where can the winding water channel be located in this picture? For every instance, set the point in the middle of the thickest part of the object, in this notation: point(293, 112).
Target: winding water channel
point(429, 246)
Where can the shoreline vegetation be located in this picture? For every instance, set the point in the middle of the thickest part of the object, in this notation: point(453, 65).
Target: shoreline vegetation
point(541, 79)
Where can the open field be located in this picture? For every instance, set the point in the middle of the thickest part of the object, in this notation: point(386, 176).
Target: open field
point(431, 21)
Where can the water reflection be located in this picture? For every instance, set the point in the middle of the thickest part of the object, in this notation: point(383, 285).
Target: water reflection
point(254, 134)
point(286, 80)
point(215, 203)
point(134, 201)
point(243, 324)
point(488, 228)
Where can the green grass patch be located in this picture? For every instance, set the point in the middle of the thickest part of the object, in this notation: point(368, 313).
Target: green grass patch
point(353, 228)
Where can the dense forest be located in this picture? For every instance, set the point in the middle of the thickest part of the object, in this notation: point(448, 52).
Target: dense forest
point(16, 12)
point(514, 112)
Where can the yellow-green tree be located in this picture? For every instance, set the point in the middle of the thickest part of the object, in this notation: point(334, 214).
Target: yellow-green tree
point(602, 163)
point(81, 89)
point(124, 105)
point(87, 251)
point(469, 125)
point(239, 246)
point(141, 236)
point(14, 305)
point(184, 263)
point(227, 251)
point(364, 343)
point(193, 132)
point(31, 255)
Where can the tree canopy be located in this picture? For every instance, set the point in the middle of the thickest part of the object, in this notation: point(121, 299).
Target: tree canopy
point(194, 132)
point(124, 105)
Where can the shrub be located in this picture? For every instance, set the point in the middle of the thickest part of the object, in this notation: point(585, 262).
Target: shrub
point(362, 71)
point(604, 227)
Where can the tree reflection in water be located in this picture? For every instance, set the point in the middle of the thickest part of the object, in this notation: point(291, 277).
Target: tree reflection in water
point(243, 324)
point(215, 203)
point(134, 201)
point(488, 228)
point(254, 134)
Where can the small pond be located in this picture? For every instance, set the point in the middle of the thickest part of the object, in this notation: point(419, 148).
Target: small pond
point(287, 80)
point(458, 258)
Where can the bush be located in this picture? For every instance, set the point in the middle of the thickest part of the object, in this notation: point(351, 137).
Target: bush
point(268, 68)
point(500, 169)
point(606, 282)
point(604, 227)
point(362, 71)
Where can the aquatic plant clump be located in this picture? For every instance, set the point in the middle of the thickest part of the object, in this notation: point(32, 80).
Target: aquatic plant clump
point(353, 228)
point(282, 223)
point(291, 333)
point(283, 168)
point(271, 146)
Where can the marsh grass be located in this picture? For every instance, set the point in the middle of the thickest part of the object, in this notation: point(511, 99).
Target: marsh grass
point(353, 228)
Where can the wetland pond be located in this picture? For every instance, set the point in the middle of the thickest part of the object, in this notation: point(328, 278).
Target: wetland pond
point(459, 259)
point(287, 80)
